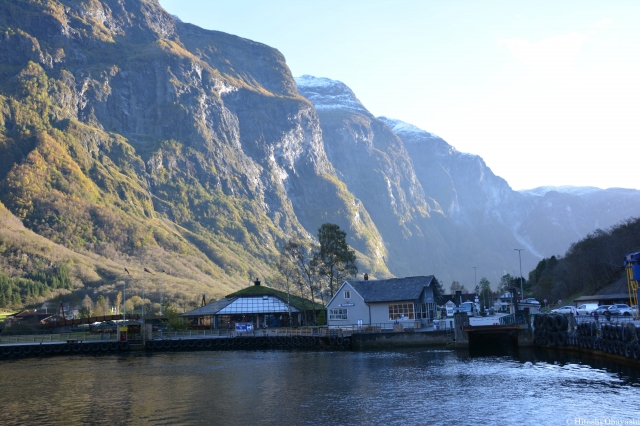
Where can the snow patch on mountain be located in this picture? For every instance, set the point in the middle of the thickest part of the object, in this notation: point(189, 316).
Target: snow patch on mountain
point(567, 189)
point(399, 127)
point(327, 94)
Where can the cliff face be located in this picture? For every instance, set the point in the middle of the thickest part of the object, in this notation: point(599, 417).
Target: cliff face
point(377, 169)
point(445, 210)
point(545, 221)
point(125, 132)
point(434, 207)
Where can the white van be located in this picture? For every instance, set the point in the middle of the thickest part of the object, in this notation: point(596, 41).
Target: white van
point(586, 309)
point(467, 307)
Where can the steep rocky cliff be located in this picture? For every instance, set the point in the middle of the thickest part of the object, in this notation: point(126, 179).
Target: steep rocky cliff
point(137, 137)
point(473, 217)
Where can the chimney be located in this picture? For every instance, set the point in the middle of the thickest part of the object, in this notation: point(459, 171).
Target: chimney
point(366, 276)
point(256, 282)
point(458, 298)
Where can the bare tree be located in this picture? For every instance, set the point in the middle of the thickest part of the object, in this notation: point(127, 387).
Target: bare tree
point(303, 257)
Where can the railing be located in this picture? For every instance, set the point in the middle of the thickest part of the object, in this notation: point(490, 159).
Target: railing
point(508, 319)
point(602, 319)
point(323, 331)
point(61, 337)
point(223, 332)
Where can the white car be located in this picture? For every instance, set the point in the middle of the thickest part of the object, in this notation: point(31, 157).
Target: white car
point(564, 310)
point(586, 309)
point(620, 309)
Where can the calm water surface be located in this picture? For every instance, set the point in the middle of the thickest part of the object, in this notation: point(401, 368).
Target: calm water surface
point(407, 387)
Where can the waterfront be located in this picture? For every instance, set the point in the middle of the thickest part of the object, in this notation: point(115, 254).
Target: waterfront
point(288, 387)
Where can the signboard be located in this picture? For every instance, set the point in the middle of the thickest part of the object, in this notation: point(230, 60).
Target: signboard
point(245, 327)
point(344, 305)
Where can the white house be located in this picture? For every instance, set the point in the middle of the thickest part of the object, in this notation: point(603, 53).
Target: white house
point(409, 301)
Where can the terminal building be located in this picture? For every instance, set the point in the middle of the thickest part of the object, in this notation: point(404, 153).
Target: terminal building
point(262, 306)
point(409, 301)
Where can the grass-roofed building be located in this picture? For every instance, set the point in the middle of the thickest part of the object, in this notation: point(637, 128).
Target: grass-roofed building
point(258, 305)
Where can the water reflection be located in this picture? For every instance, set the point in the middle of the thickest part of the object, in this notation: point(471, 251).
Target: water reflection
point(272, 387)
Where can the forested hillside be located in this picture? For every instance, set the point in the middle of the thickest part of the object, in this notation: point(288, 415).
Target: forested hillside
point(589, 265)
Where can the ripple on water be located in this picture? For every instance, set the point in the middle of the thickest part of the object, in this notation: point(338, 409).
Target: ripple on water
point(272, 387)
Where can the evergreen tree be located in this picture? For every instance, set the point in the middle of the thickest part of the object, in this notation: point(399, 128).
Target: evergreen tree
point(337, 261)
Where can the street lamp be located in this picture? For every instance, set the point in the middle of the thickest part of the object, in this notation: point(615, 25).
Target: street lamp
point(521, 286)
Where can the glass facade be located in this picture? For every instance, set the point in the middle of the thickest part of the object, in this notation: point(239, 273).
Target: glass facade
point(256, 305)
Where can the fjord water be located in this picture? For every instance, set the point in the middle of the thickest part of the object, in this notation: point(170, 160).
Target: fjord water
point(277, 387)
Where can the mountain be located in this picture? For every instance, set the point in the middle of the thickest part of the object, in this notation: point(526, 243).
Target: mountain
point(545, 220)
point(131, 139)
point(477, 218)
point(374, 164)
point(427, 200)
point(127, 134)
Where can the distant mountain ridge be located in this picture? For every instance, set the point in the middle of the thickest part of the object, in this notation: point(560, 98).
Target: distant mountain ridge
point(482, 218)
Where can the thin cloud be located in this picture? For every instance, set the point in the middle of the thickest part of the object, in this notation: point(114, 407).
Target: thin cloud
point(603, 24)
point(548, 56)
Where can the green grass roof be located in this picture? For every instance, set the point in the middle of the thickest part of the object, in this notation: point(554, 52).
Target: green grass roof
point(261, 290)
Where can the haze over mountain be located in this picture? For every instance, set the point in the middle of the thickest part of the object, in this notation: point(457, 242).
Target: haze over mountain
point(134, 139)
point(480, 219)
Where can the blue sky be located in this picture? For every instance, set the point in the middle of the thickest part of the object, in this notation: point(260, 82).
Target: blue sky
point(546, 92)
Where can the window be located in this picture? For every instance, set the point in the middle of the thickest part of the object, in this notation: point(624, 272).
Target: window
point(421, 310)
point(347, 294)
point(401, 311)
point(338, 314)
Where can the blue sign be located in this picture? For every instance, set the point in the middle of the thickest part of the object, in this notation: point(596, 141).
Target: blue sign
point(342, 305)
point(244, 327)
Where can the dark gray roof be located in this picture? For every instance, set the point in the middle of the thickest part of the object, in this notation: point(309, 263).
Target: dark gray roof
point(211, 308)
point(618, 296)
point(393, 289)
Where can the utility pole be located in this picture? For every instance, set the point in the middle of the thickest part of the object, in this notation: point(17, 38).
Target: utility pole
point(521, 286)
point(124, 297)
point(475, 278)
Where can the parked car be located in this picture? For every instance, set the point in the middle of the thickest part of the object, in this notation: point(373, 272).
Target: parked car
point(531, 300)
point(602, 309)
point(586, 309)
point(468, 307)
point(564, 310)
point(620, 309)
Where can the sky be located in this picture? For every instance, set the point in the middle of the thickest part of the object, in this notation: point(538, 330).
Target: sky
point(546, 92)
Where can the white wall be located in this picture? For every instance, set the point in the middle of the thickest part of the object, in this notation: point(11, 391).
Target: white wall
point(359, 310)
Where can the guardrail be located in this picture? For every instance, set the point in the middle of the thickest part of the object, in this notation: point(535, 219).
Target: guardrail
point(61, 337)
point(602, 319)
point(508, 319)
point(224, 332)
point(322, 331)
